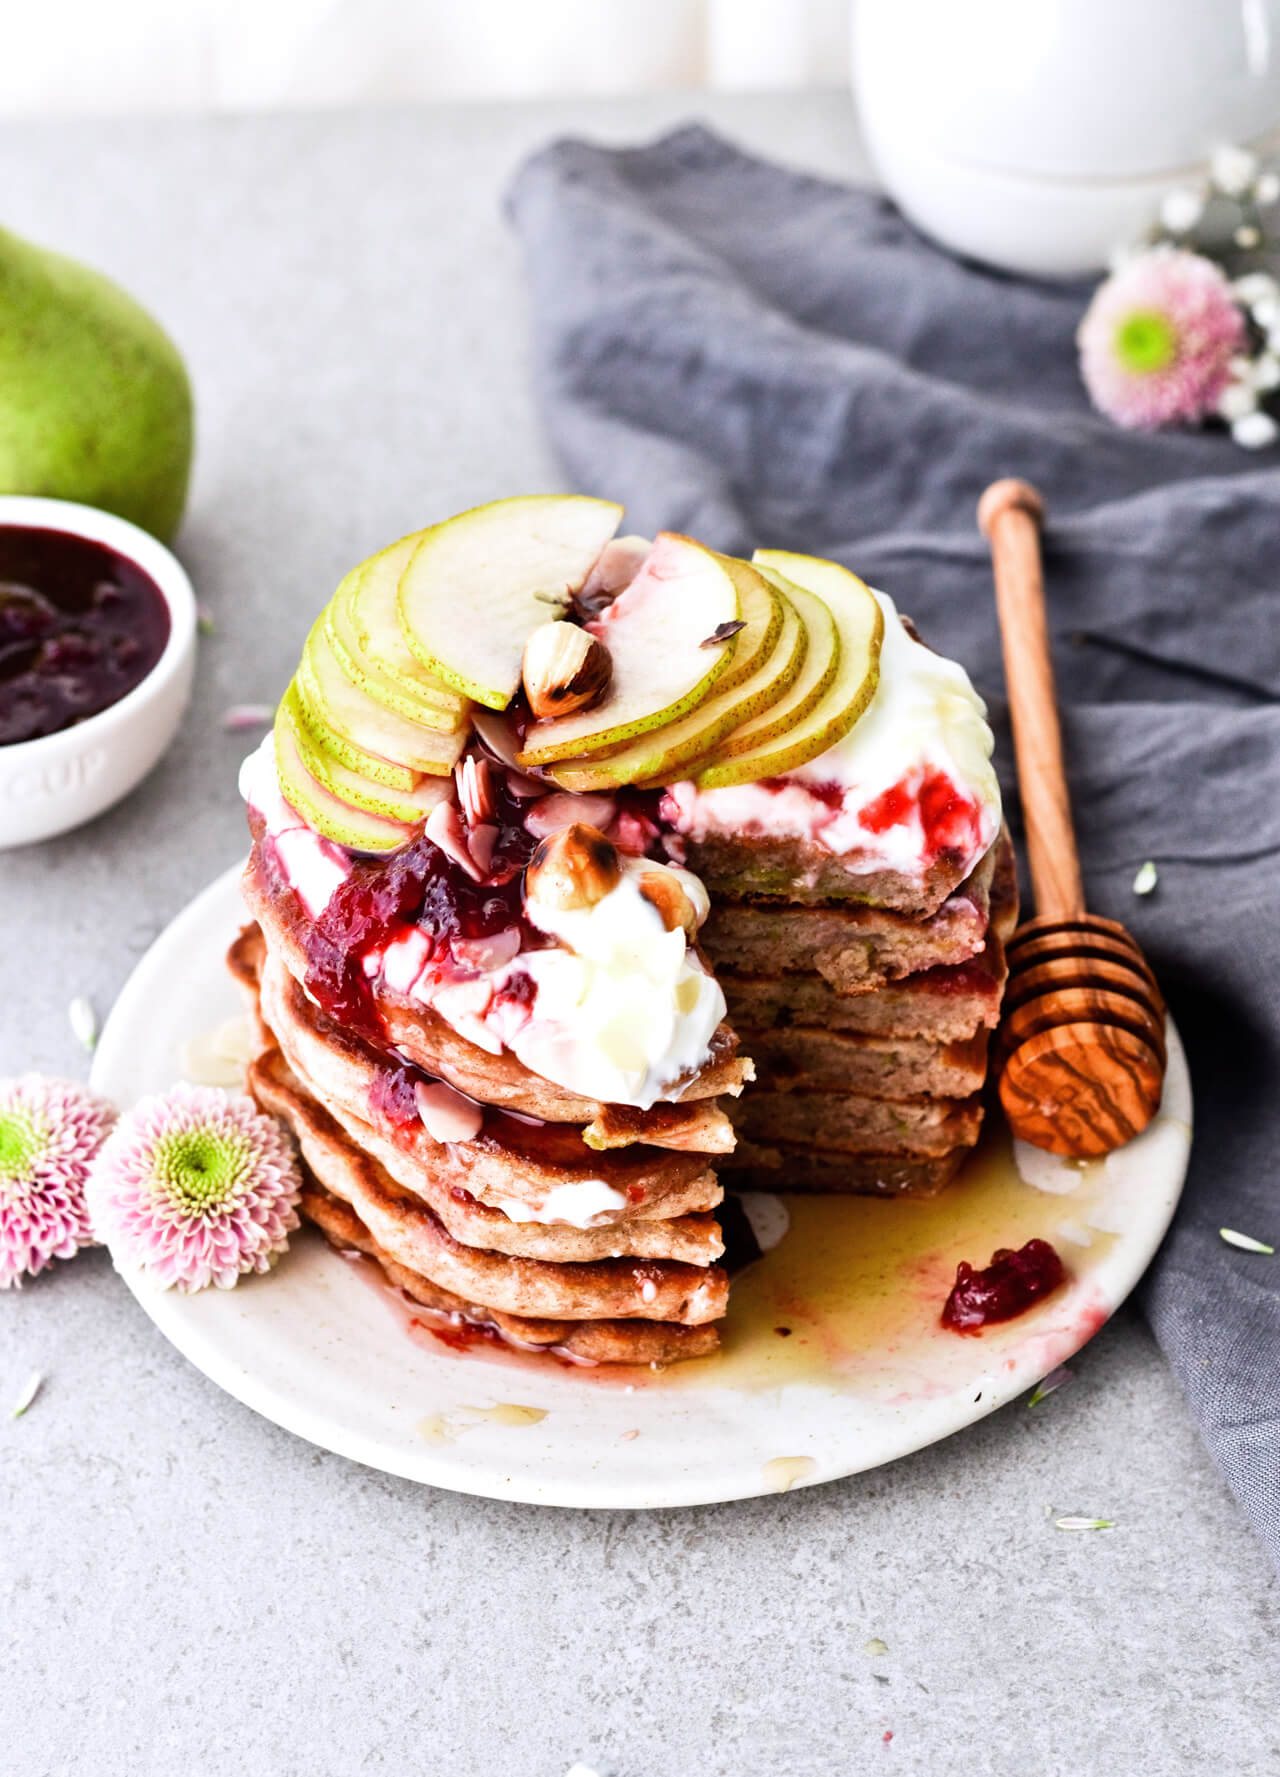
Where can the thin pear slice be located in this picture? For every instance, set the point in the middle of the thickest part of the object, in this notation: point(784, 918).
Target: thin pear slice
point(393, 694)
point(355, 728)
point(859, 625)
point(821, 659)
point(660, 757)
point(477, 585)
point(373, 606)
point(371, 765)
point(661, 633)
point(321, 809)
point(349, 786)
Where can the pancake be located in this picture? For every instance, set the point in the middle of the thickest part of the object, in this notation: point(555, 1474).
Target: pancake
point(409, 1231)
point(852, 1124)
point(797, 1057)
point(796, 1166)
point(598, 1342)
point(796, 870)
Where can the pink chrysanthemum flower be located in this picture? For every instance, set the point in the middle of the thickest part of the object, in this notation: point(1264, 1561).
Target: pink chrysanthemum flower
point(50, 1130)
point(195, 1187)
point(1157, 340)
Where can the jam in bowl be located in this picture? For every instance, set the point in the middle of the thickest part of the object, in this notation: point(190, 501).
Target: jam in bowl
point(97, 649)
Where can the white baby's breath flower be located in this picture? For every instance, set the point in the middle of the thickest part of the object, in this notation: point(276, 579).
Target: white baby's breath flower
point(1247, 235)
point(1267, 189)
point(1254, 287)
point(1237, 401)
point(1233, 169)
point(1266, 371)
point(1181, 210)
point(1146, 879)
point(84, 1022)
point(1255, 431)
point(1266, 311)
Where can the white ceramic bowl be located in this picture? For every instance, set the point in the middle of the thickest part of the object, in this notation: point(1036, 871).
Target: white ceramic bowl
point(59, 781)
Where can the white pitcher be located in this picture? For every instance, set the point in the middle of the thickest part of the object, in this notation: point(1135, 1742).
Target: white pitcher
point(1039, 134)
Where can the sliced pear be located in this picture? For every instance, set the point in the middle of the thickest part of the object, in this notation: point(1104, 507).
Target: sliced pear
point(859, 624)
point(350, 786)
point(477, 585)
point(660, 756)
point(414, 703)
point(356, 729)
point(371, 765)
point(820, 661)
point(373, 609)
point(761, 618)
point(321, 809)
point(657, 632)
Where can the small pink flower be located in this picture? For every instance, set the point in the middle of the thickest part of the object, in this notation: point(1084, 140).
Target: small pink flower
point(195, 1187)
point(50, 1131)
point(1157, 340)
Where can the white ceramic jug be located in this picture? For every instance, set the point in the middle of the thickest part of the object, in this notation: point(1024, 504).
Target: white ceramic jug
point(1039, 134)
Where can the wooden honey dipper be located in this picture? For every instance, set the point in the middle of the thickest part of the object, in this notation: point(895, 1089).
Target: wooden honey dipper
point(1080, 1055)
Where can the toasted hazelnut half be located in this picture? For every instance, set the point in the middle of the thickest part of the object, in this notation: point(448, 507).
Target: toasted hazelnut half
point(564, 669)
point(668, 896)
point(572, 869)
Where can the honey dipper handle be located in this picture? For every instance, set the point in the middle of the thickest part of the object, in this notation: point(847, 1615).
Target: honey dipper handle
point(1009, 516)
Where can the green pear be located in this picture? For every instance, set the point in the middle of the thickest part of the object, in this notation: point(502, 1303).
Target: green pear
point(95, 404)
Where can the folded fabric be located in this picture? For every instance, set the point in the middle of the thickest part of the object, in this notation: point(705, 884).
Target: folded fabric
point(758, 356)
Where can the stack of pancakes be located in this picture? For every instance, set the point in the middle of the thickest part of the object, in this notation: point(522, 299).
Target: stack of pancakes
point(557, 1222)
point(868, 1019)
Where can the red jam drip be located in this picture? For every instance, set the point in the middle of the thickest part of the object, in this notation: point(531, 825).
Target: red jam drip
point(421, 886)
point(830, 795)
point(1011, 1284)
point(950, 821)
point(80, 627)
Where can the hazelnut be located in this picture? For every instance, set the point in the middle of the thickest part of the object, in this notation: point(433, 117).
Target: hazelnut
point(666, 893)
point(565, 669)
point(572, 869)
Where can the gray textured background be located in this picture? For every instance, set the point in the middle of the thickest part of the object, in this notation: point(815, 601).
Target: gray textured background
point(186, 1587)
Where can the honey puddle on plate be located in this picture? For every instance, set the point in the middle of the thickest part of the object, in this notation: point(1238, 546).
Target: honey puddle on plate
point(856, 1287)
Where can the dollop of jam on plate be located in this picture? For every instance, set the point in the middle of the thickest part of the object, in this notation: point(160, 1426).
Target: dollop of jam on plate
point(1010, 1284)
point(80, 627)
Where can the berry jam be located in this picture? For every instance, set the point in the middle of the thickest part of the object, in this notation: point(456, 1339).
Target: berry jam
point(80, 627)
point(951, 822)
point(1011, 1283)
point(419, 885)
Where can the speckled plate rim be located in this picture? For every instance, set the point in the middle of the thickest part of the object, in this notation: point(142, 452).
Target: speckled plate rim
point(316, 1352)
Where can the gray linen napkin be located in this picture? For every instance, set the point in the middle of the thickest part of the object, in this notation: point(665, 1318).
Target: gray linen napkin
point(756, 356)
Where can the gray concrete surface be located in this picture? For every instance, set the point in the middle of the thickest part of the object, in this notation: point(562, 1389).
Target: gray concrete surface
point(188, 1589)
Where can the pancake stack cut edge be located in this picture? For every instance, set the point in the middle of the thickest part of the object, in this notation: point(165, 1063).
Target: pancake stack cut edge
point(868, 1026)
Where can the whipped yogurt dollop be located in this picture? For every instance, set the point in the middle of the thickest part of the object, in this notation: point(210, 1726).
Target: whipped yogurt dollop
point(911, 779)
point(624, 1009)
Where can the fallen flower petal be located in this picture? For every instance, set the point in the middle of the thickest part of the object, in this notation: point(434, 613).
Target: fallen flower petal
point(1245, 1242)
point(1055, 1380)
point(240, 716)
point(84, 1023)
point(1084, 1524)
point(30, 1390)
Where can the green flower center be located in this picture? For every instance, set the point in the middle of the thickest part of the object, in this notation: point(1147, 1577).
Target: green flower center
point(1146, 342)
point(21, 1140)
point(199, 1171)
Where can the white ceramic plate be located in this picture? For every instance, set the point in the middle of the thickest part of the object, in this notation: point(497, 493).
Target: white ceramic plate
point(835, 1360)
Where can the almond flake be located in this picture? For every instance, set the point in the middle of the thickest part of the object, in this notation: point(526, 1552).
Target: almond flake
point(724, 632)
